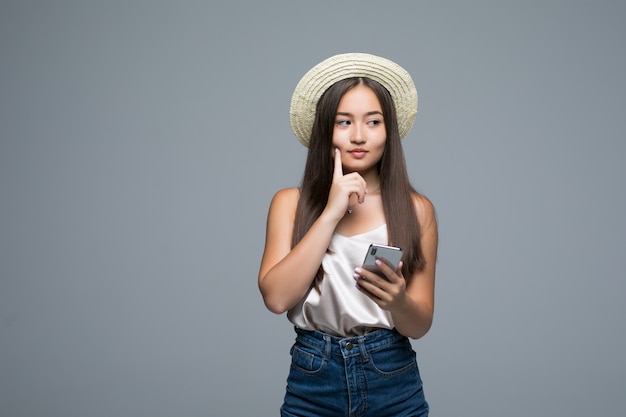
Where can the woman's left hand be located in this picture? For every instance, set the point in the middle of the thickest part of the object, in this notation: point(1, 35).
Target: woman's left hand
point(389, 292)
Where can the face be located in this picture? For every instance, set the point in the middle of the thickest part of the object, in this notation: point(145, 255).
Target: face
point(359, 130)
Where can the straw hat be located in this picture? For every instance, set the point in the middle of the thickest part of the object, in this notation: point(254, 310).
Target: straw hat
point(339, 67)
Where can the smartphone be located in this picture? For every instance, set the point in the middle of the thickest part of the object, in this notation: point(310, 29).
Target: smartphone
point(390, 254)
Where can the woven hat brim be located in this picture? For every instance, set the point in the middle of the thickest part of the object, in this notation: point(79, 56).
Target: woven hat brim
point(340, 67)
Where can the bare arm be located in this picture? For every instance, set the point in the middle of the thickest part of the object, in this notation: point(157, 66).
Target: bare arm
point(286, 274)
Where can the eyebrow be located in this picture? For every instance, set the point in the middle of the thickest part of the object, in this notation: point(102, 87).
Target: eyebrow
point(369, 113)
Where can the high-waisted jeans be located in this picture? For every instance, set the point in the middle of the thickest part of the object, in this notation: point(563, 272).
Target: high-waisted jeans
point(371, 375)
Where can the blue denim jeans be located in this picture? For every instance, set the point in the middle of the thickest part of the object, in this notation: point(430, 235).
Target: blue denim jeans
point(371, 375)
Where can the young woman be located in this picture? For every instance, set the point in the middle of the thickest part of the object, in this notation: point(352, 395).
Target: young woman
point(352, 355)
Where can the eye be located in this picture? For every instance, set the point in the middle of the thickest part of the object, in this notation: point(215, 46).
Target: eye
point(342, 122)
point(374, 122)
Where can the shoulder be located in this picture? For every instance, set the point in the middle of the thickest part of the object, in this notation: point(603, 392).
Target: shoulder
point(282, 214)
point(425, 211)
point(286, 196)
point(285, 201)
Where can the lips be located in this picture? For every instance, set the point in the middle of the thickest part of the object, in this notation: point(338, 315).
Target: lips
point(358, 153)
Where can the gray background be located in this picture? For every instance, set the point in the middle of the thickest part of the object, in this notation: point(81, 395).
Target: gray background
point(141, 143)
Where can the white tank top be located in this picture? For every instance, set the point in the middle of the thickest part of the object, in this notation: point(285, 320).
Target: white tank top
point(341, 309)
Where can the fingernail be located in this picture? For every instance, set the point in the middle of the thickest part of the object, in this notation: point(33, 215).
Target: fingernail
point(358, 270)
point(356, 277)
point(378, 262)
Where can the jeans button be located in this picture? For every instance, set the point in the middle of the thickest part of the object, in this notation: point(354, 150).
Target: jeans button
point(349, 345)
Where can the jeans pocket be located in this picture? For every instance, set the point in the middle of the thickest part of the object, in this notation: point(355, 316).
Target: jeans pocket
point(306, 359)
point(393, 359)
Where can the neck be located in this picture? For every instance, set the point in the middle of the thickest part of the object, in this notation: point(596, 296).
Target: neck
point(373, 182)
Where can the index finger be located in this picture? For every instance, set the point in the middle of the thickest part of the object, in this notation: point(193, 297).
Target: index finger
point(338, 173)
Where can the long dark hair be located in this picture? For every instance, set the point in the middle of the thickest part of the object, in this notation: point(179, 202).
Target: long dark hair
point(397, 193)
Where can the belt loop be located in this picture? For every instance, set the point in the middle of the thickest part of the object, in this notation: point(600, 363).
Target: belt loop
point(364, 353)
point(328, 346)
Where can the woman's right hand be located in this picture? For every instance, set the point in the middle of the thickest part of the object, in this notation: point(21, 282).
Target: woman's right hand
point(345, 191)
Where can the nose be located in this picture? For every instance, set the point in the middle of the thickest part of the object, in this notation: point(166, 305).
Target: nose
point(357, 134)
